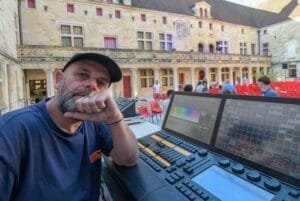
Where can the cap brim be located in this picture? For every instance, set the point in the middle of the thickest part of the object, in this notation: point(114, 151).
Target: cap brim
point(112, 67)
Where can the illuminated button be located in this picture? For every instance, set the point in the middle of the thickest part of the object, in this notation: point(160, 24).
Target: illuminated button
point(202, 152)
point(272, 184)
point(294, 193)
point(238, 168)
point(224, 162)
point(253, 175)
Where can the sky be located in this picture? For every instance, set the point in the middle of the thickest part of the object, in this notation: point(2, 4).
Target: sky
point(247, 2)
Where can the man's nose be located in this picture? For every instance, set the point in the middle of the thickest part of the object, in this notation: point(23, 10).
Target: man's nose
point(92, 84)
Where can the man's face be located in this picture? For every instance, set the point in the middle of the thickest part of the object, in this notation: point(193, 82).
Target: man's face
point(78, 80)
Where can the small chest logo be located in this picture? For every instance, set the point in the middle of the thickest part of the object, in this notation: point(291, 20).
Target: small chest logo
point(96, 155)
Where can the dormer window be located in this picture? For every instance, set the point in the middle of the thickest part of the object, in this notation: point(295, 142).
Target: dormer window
point(202, 9)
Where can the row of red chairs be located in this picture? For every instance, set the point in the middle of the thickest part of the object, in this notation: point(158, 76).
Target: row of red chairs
point(155, 108)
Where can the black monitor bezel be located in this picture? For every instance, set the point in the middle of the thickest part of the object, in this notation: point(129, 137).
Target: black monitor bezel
point(194, 141)
point(211, 146)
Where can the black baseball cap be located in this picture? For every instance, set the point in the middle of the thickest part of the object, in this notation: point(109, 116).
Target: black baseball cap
point(111, 66)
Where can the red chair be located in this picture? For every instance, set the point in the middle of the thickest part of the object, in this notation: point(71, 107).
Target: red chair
point(142, 110)
point(156, 109)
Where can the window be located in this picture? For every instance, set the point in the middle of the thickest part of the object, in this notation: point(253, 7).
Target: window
point(166, 77)
point(143, 17)
point(205, 12)
point(144, 40)
point(146, 78)
point(70, 8)
point(265, 49)
point(253, 49)
point(109, 1)
point(244, 72)
point(242, 30)
point(166, 41)
point(200, 24)
point(200, 47)
point(222, 46)
point(213, 74)
point(31, 3)
point(292, 71)
point(243, 48)
point(72, 36)
point(117, 13)
point(224, 74)
point(211, 48)
point(210, 26)
point(201, 12)
point(164, 20)
point(99, 11)
point(110, 42)
point(36, 87)
point(222, 28)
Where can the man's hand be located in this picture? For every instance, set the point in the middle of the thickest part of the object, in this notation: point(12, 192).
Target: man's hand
point(98, 107)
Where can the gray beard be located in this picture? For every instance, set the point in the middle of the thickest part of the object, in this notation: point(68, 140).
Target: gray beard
point(65, 98)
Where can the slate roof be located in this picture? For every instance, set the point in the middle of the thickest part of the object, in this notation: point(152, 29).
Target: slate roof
point(221, 10)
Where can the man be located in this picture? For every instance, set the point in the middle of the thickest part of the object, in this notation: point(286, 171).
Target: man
point(156, 88)
point(264, 84)
point(188, 88)
point(52, 150)
point(228, 88)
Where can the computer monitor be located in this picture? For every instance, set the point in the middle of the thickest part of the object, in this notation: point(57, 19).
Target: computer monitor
point(193, 116)
point(266, 133)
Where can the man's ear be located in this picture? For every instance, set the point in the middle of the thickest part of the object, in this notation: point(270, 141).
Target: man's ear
point(58, 78)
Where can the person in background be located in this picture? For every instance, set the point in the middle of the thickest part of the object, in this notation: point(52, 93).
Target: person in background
point(264, 84)
point(228, 88)
point(188, 88)
point(156, 90)
point(166, 102)
point(52, 150)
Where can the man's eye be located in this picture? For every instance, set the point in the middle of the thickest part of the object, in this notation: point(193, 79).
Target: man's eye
point(82, 75)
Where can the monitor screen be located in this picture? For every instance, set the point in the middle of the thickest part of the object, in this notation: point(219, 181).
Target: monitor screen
point(218, 182)
point(193, 116)
point(267, 133)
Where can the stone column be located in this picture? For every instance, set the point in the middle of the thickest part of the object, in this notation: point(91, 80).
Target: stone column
point(207, 75)
point(250, 75)
point(265, 70)
point(134, 81)
point(219, 77)
point(50, 81)
point(241, 75)
point(156, 75)
point(298, 68)
point(193, 76)
point(5, 91)
point(175, 78)
point(231, 74)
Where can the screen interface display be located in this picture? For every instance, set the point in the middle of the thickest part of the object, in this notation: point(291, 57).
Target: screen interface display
point(193, 116)
point(228, 187)
point(263, 132)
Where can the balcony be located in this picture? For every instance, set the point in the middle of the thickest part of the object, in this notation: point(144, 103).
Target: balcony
point(38, 53)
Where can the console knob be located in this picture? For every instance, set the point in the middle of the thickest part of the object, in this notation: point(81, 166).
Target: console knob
point(202, 152)
point(224, 162)
point(253, 175)
point(238, 168)
point(272, 184)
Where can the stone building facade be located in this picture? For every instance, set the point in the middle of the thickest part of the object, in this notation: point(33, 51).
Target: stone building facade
point(177, 43)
